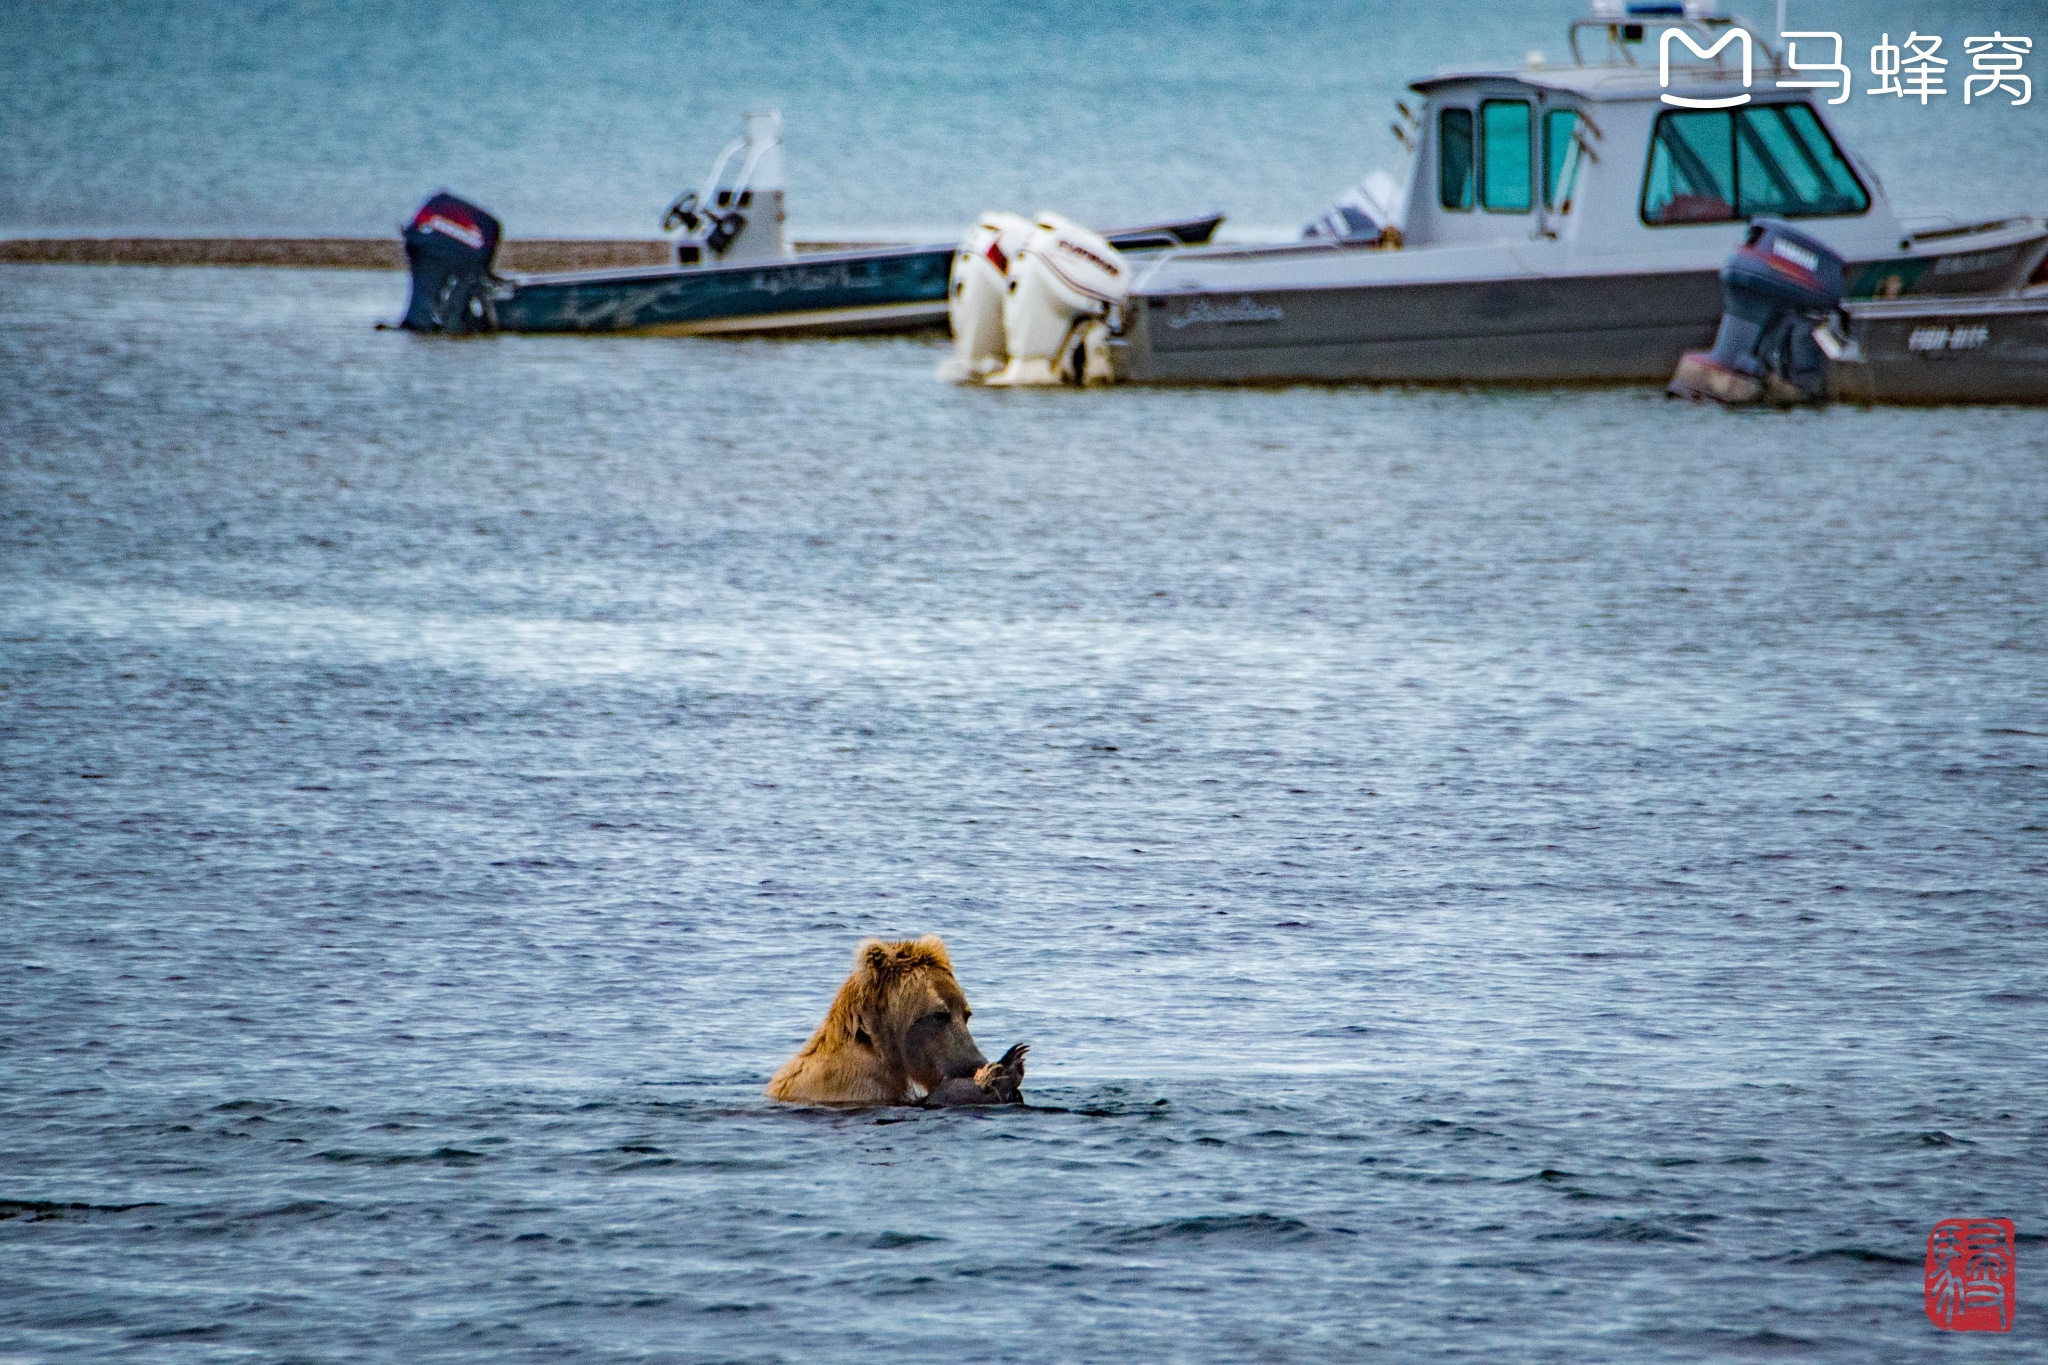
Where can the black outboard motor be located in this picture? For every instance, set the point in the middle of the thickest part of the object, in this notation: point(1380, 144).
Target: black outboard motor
point(451, 245)
point(1777, 288)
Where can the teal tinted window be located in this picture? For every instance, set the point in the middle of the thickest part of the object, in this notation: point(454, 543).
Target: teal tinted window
point(1454, 158)
point(1714, 166)
point(1691, 178)
point(1558, 125)
point(1786, 164)
point(1504, 156)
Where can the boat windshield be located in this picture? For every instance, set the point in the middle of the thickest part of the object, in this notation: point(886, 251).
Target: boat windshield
point(1713, 166)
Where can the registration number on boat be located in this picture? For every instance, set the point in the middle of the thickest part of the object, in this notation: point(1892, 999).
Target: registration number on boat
point(1947, 338)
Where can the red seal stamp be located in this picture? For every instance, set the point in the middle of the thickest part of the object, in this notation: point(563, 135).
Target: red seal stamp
point(1971, 1281)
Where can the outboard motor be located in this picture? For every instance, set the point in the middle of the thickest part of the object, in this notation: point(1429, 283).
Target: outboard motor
point(1062, 287)
point(975, 296)
point(1779, 288)
point(451, 245)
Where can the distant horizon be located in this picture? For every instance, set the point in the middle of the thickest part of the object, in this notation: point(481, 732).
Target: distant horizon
point(206, 120)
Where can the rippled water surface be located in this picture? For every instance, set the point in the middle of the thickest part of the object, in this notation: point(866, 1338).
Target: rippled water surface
point(1533, 875)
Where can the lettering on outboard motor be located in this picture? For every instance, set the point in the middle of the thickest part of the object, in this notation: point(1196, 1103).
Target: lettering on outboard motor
point(1075, 249)
point(451, 246)
point(1777, 289)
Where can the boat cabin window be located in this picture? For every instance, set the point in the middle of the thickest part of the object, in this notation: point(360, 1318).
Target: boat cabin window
point(1692, 169)
point(1454, 158)
point(1558, 127)
point(1715, 166)
point(1787, 164)
point(1504, 156)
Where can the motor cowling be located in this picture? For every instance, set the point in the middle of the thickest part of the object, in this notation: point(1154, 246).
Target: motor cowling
point(975, 296)
point(1062, 287)
point(451, 246)
point(1777, 289)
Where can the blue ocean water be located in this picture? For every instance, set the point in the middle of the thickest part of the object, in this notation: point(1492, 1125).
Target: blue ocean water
point(1520, 875)
point(1551, 876)
point(905, 119)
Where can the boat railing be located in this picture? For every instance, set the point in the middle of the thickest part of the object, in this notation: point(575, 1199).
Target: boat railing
point(1630, 25)
point(1585, 132)
point(690, 208)
point(710, 216)
point(708, 196)
point(757, 148)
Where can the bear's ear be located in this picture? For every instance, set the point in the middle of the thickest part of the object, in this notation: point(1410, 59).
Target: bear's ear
point(871, 956)
point(931, 950)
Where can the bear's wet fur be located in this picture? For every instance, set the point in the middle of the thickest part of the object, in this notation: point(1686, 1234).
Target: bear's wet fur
point(895, 1034)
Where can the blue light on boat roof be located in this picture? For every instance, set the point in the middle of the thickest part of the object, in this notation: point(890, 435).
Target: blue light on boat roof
point(1656, 11)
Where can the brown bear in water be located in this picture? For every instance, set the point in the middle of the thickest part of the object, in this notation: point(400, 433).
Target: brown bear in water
point(897, 1034)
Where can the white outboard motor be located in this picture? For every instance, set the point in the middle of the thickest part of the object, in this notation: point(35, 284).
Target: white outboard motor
point(1062, 286)
point(975, 297)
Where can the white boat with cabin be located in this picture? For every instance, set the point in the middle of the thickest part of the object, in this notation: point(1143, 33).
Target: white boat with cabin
point(1550, 224)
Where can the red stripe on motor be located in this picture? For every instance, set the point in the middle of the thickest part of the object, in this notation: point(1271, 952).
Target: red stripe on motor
point(1772, 261)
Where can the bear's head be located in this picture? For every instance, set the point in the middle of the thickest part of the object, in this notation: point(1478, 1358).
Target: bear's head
point(908, 1008)
point(897, 1030)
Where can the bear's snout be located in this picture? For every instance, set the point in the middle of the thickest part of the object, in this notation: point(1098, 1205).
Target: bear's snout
point(965, 1064)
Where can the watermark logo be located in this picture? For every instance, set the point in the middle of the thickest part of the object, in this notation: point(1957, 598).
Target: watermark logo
point(1971, 1285)
point(1998, 60)
point(1705, 54)
point(1912, 70)
point(1833, 64)
point(1916, 63)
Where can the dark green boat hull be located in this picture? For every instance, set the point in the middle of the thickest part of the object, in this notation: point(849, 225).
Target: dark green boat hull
point(451, 246)
point(891, 289)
